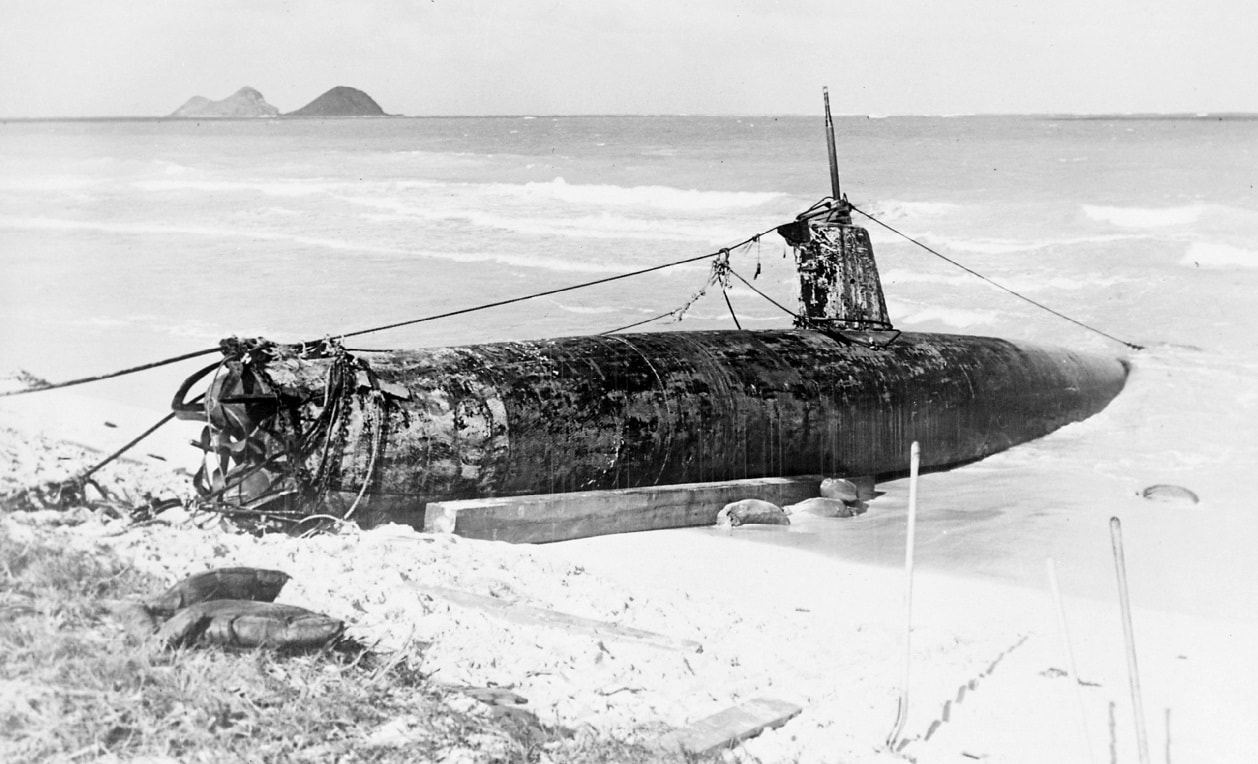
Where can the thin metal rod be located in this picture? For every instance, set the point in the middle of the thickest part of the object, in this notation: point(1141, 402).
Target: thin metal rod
point(732, 314)
point(1068, 648)
point(834, 156)
point(1133, 673)
point(902, 711)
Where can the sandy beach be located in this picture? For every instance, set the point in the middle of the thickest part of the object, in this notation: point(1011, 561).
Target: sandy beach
point(730, 620)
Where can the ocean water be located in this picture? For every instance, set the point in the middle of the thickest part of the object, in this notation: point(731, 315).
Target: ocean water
point(126, 241)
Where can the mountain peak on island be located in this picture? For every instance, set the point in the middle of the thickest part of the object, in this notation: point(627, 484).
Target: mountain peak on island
point(246, 102)
point(340, 101)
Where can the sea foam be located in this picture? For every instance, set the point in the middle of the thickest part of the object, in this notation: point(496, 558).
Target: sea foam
point(1213, 255)
point(896, 209)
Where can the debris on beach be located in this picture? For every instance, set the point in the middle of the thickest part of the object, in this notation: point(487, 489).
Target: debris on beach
point(248, 624)
point(22, 380)
point(54, 477)
point(238, 583)
point(230, 607)
point(1170, 494)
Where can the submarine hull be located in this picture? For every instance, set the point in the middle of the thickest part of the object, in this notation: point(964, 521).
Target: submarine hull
point(405, 427)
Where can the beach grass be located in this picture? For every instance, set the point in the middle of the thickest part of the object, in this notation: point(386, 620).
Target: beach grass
point(79, 684)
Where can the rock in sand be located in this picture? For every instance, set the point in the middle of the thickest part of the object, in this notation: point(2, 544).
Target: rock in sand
point(820, 506)
point(751, 512)
point(839, 488)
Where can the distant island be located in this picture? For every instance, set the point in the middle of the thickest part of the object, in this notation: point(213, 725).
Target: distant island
point(340, 101)
point(245, 102)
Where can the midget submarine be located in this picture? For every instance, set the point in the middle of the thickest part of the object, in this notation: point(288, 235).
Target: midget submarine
point(300, 430)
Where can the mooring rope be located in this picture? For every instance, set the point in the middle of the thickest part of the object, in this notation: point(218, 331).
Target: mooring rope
point(409, 322)
point(644, 321)
point(85, 477)
point(747, 283)
point(999, 286)
point(131, 443)
point(719, 275)
point(111, 375)
point(560, 290)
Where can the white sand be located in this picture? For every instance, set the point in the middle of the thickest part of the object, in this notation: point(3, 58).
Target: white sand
point(986, 670)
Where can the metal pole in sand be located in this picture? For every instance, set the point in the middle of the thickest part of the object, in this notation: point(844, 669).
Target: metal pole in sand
point(902, 711)
point(1051, 568)
point(1133, 674)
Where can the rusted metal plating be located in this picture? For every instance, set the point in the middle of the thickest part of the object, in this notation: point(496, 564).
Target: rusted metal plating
point(839, 286)
point(601, 412)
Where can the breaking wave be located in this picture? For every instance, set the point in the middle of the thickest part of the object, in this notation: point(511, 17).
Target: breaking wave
point(604, 226)
point(665, 198)
point(994, 246)
point(330, 243)
point(1146, 217)
point(270, 188)
point(654, 197)
point(957, 318)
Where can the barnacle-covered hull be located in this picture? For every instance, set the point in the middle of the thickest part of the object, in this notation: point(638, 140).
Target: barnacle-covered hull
point(380, 434)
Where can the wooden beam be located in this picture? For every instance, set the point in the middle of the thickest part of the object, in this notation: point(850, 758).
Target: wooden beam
point(729, 727)
point(561, 516)
point(573, 624)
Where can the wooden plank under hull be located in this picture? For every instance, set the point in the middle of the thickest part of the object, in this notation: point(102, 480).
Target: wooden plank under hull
point(538, 519)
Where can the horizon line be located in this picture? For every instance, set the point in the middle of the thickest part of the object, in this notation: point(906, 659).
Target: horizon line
point(1198, 114)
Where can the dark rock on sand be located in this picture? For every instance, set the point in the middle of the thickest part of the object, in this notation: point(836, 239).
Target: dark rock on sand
point(340, 101)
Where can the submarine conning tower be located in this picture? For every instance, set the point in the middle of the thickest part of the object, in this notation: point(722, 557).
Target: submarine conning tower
point(839, 287)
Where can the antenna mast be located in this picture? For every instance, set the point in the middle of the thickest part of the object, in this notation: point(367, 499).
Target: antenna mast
point(834, 158)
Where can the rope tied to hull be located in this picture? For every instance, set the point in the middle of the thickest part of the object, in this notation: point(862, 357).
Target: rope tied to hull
point(720, 276)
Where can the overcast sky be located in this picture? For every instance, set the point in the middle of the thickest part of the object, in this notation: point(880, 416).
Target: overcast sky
point(446, 57)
